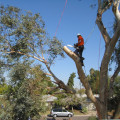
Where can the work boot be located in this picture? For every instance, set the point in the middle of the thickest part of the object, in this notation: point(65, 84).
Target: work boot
point(82, 58)
point(82, 62)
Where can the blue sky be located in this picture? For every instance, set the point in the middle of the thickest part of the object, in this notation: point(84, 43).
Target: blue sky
point(78, 17)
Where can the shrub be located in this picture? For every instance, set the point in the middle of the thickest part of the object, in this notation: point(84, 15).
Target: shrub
point(84, 110)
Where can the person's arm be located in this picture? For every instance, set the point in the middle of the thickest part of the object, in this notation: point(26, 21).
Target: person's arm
point(79, 39)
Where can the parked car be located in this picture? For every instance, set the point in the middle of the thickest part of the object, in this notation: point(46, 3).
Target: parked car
point(60, 113)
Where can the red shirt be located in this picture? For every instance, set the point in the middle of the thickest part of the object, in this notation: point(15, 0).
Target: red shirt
point(80, 41)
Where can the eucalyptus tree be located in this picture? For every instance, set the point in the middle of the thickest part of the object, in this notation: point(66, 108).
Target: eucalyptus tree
point(27, 86)
point(105, 91)
point(23, 36)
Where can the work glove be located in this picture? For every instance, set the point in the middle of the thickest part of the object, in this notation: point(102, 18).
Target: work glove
point(75, 45)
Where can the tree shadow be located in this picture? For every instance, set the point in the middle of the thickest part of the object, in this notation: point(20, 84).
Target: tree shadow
point(56, 119)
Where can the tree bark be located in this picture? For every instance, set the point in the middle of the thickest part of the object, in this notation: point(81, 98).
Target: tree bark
point(109, 48)
point(100, 105)
point(81, 73)
point(101, 102)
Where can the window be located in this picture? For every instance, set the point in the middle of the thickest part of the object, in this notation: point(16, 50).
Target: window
point(64, 110)
point(57, 110)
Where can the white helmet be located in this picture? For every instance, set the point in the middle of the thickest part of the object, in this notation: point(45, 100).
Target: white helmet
point(78, 34)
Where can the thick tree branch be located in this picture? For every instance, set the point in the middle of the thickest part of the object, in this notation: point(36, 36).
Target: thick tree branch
point(110, 44)
point(99, 22)
point(102, 28)
point(115, 9)
point(25, 55)
point(117, 15)
point(51, 89)
point(99, 4)
point(81, 73)
point(107, 5)
point(60, 83)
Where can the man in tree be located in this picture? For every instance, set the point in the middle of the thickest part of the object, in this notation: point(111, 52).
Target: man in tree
point(79, 47)
point(105, 87)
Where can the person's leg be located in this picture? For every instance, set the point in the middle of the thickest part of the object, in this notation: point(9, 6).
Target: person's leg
point(81, 50)
point(76, 51)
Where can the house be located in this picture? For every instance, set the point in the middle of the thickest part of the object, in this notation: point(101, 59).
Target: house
point(49, 99)
point(87, 103)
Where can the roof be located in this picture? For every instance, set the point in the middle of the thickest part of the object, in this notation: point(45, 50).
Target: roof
point(49, 98)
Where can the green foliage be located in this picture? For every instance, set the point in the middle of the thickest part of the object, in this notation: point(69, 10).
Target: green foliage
point(84, 109)
point(94, 80)
point(3, 89)
point(114, 100)
point(66, 96)
point(117, 86)
point(71, 80)
point(116, 55)
point(26, 104)
point(81, 91)
point(68, 100)
point(3, 85)
point(55, 48)
point(24, 34)
point(28, 85)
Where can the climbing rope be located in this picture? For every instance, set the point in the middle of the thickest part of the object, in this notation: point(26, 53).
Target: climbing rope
point(99, 52)
point(60, 18)
point(90, 33)
point(87, 40)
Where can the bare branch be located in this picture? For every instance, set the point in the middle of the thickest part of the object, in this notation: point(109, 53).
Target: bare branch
point(36, 52)
point(25, 54)
point(48, 74)
point(108, 4)
point(102, 28)
point(52, 89)
point(99, 22)
point(115, 9)
point(99, 4)
point(60, 83)
point(117, 15)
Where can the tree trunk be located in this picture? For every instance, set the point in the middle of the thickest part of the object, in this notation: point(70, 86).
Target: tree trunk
point(101, 110)
point(100, 103)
